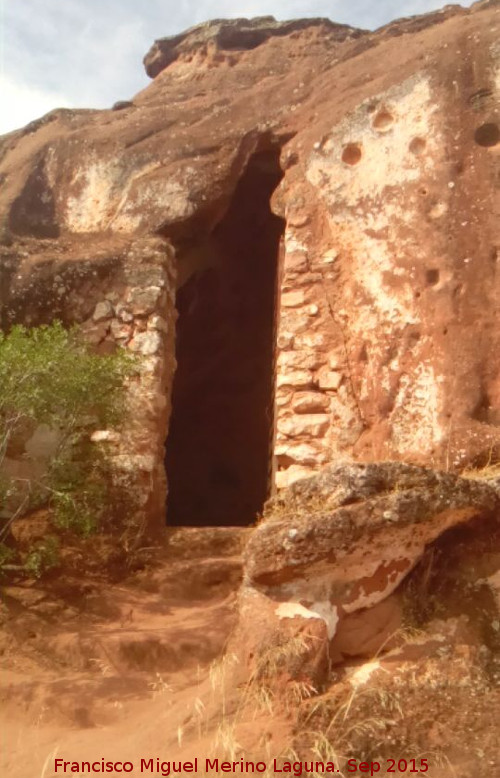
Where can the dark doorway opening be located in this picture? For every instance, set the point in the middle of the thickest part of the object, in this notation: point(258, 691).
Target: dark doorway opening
point(218, 451)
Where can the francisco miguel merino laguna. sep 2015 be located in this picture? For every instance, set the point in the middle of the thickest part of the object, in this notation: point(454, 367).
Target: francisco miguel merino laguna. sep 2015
point(156, 766)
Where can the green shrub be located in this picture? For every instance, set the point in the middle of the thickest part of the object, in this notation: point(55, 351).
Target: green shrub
point(50, 375)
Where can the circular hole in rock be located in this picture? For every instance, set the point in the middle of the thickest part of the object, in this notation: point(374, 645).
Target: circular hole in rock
point(487, 135)
point(383, 120)
point(432, 276)
point(417, 146)
point(351, 154)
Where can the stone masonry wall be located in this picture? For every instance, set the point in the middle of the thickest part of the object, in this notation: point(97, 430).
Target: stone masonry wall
point(390, 266)
point(388, 338)
point(121, 297)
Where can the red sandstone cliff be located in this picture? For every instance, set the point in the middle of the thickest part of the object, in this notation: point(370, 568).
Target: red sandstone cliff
point(354, 317)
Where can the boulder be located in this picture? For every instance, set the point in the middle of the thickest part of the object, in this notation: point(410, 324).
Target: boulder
point(333, 548)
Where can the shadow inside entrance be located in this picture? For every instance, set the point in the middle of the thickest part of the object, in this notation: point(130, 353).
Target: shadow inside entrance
point(220, 436)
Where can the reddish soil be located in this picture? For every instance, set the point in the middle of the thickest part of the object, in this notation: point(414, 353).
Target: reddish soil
point(91, 668)
point(134, 669)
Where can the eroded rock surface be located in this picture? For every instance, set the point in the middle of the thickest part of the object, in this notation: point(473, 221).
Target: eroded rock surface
point(218, 38)
point(386, 295)
point(121, 294)
point(324, 562)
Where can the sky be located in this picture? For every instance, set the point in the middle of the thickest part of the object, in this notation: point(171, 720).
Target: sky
point(88, 53)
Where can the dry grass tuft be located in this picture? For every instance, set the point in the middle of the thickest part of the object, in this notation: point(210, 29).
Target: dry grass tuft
point(489, 472)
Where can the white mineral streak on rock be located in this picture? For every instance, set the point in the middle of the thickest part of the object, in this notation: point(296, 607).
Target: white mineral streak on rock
point(105, 436)
point(111, 194)
point(362, 674)
point(318, 610)
point(99, 185)
point(419, 397)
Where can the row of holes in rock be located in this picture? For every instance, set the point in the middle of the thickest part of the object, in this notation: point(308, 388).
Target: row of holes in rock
point(487, 135)
point(352, 153)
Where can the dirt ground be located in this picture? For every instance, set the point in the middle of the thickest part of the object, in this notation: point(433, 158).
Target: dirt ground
point(93, 668)
point(137, 668)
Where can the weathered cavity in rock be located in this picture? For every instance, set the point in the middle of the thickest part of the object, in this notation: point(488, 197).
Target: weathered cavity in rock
point(387, 335)
point(220, 438)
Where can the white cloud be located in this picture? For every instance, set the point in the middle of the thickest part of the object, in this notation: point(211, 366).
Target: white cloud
point(21, 103)
point(88, 53)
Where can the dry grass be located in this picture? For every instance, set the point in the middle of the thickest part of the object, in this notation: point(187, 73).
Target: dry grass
point(487, 473)
point(289, 505)
point(369, 721)
point(348, 721)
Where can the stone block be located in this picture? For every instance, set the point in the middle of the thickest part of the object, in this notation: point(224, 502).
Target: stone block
point(310, 402)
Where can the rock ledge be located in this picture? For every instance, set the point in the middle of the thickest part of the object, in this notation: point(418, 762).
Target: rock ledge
point(234, 35)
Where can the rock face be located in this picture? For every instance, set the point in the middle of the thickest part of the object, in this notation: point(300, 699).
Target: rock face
point(323, 565)
point(220, 38)
point(119, 293)
point(376, 297)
